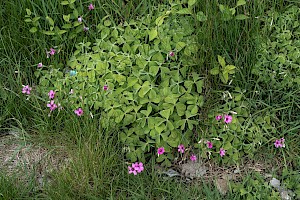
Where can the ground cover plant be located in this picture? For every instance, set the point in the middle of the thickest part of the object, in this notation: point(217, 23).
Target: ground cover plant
point(133, 88)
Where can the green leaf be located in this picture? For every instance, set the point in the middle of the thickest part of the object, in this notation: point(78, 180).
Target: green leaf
point(226, 77)
point(240, 2)
point(128, 119)
point(241, 17)
point(201, 17)
point(180, 107)
point(107, 23)
point(152, 34)
point(158, 57)
point(221, 60)
point(144, 89)
point(75, 13)
point(67, 17)
point(153, 70)
point(60, 32)
point(67, 26)
point(180, 46)
point(159, 20)
point(28, 20)
point(131, 81)
point(215, 71)
point(199, 85)
point(160, 128)
point(151, 122)
point(50, 20)
point(33, 30)
point(119, 116)
point(35, 19)
point(227, 146)
point(64, 3)
point(166, 163)
point(191, 2)
point(165, 113)
point(191, 124)
point(153, 96)
point(148, 111)
point(229, 68)
point(184, 11)
point(160, 158)
point(188, 85)
point(170, 125)
point(28, 11)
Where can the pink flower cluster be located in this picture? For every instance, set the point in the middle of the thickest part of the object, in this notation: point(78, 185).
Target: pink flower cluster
point(279, 143)
point(26, 89)
point(136, 168)
point(227, 118)
point(52, 104)
point(181, 149)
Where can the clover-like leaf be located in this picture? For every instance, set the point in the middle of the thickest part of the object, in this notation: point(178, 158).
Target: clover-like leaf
point(180, 108)
point(144, 89)
point(180, 46)
point(152, 34)
point(165, 113)
point(153, 70)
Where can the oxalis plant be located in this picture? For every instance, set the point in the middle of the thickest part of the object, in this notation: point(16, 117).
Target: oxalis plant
point(140, 75)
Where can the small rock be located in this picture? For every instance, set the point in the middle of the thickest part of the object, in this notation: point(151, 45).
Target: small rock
point(222, 186)
point(285, 195)
point(171, 173)
point(275, 183)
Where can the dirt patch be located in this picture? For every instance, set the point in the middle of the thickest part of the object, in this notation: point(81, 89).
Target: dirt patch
point(23, 159)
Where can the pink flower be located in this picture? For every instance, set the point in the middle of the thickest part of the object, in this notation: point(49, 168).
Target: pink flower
point(71, 91)
point(279, 143)
point(52, 51)
point(222, 152)
point(181, 148)
point(105, 87)
point(26, 89)
point(160, 150)
point(79, 112)
point(136, 168)
point(139, 167)
point(51, 94)
point(40, 65)
point(209, 144)
point(131, 170)
point(91, 7)
point(52, 105)
point(193, 157)
point(218, 117)
point(227, 119)
point(79, 19)
point(171, 54)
